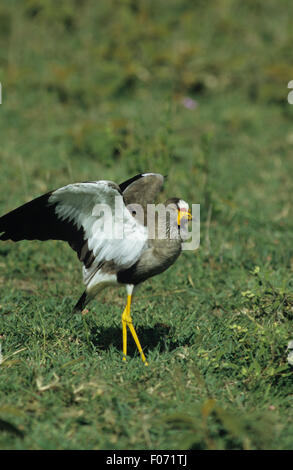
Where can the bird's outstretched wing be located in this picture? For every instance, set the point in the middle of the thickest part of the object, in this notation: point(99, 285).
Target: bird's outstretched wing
point(77, 213)
point(142, 189)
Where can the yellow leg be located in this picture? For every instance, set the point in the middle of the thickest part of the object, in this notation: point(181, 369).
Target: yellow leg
point(124, 333)
point(127, 320)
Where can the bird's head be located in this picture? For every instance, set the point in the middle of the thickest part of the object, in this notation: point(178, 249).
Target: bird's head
point(183, 212)
point(180, 208)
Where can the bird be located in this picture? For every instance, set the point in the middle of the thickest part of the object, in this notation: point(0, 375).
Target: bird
point(78, 213)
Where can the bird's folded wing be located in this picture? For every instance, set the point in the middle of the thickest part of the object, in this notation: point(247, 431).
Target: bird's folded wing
point(141, 190)
point(90, 216)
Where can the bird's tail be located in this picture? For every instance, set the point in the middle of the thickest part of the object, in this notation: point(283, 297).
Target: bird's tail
point(83, 300)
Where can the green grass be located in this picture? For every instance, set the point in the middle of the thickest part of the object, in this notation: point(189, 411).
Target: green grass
point(93, 90)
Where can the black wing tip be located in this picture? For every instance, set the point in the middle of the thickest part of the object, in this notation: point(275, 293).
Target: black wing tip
point(81, 303)
point(127, 183)
point(19, 223)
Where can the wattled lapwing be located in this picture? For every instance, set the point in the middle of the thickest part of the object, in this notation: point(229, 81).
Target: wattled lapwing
point(106, 224)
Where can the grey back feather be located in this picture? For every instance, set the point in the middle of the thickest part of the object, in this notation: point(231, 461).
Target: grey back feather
point(142, 191)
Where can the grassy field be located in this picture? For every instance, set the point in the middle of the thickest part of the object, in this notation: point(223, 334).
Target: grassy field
point(194, 90)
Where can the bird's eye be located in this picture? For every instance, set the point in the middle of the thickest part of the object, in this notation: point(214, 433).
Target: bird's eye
point(133, 212)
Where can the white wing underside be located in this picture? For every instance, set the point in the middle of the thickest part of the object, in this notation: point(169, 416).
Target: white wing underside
point(110, 230)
